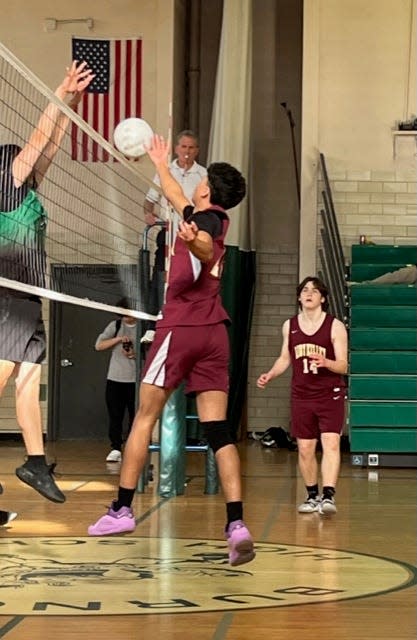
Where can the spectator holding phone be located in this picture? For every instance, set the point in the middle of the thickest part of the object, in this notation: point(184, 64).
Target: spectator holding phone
point(119, 336)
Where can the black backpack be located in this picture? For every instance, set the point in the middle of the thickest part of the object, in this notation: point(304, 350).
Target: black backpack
point(278, 437)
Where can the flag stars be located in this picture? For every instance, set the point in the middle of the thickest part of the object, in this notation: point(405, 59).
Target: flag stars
point(97, 55)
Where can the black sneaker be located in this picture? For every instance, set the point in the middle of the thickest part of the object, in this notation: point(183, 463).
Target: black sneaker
point(41, 480)
point(268, 441)
point(6, 517)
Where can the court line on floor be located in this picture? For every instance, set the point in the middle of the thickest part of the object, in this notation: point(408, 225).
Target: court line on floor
point(227, 619)
point(223, 626)
point(10, 625)
point(152, 510)
point(284, 489)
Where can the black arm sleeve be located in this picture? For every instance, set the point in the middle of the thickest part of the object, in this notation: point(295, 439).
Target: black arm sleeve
point(188, 212)
point(208, 221)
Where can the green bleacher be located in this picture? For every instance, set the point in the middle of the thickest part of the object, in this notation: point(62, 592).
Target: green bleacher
point(383, 355)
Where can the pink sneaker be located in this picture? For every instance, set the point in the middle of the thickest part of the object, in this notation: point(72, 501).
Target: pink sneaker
point(122, 521)
point(240, 543)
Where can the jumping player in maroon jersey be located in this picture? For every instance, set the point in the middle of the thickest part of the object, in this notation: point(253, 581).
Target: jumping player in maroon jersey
point(315, 345)
point(191, 344)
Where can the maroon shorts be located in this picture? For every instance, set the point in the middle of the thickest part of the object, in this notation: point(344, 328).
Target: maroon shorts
point(197, 354)
point(310, 418)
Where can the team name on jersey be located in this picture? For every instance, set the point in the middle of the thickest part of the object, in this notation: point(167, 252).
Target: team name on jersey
point(306, 349)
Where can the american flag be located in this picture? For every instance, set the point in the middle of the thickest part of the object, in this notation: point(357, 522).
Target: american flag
point(113, 95)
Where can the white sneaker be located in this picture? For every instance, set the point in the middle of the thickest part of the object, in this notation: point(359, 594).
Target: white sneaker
point(327, 507)
point(148, 336)
point(114, 456)
point(310, 505)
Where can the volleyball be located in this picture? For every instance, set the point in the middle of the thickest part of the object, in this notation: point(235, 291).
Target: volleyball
point(131, 135)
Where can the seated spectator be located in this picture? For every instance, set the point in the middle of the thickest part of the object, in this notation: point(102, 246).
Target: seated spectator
point(405, 275)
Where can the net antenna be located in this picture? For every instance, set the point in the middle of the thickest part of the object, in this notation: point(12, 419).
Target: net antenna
point(170, 215)
point(94, 217)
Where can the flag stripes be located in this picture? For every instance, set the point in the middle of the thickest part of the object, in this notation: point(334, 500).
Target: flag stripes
point(114, 95)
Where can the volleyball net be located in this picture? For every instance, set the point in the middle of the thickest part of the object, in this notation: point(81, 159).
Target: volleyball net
point(79, 236)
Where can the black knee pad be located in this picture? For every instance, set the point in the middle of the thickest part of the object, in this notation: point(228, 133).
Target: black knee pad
point(218, 434)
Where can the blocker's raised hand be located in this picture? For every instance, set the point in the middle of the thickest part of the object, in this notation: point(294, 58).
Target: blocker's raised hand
point(157, 149)
point(77, 78)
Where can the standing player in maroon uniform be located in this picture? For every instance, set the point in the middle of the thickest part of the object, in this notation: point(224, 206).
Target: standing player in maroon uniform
point(315, 344)
point(191, 344)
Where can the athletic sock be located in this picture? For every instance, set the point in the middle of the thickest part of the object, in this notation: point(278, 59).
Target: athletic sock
point(313, 491)
point(124, 498)
point(234, 512)
point(328, 493)
point(35, 462)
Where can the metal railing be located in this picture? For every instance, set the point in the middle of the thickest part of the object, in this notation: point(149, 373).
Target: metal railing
point(332, 260)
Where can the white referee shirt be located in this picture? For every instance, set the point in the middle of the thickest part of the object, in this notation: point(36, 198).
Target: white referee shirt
point(187, 178)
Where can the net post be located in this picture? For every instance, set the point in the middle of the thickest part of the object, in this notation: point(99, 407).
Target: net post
point(172, 443)
point(140, 360)
point(142, 482)
point(211, 486)
point(143, 279)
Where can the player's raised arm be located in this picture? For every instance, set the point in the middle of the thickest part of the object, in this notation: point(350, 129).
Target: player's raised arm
point(38, 152)
point(158, 150)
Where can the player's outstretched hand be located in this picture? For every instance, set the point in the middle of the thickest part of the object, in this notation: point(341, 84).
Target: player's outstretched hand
point(157, 149)
point(77, 78)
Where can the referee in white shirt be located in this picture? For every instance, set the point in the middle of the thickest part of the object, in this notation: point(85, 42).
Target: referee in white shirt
point(188, 173)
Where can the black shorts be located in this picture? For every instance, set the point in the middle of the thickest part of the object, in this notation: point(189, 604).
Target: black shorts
point(22, 332)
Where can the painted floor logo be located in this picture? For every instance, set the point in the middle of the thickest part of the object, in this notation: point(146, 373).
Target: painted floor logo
point(93, 576)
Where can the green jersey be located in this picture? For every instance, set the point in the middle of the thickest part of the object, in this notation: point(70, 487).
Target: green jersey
point(22, 242)
point(22, 231)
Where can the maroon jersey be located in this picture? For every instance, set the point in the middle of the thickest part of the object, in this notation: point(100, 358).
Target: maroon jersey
point(309, 381)
point(193, 294)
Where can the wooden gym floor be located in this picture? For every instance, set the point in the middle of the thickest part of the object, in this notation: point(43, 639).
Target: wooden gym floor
point(352, 576)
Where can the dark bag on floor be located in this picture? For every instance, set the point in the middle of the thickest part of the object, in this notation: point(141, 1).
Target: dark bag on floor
point(277, 436)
